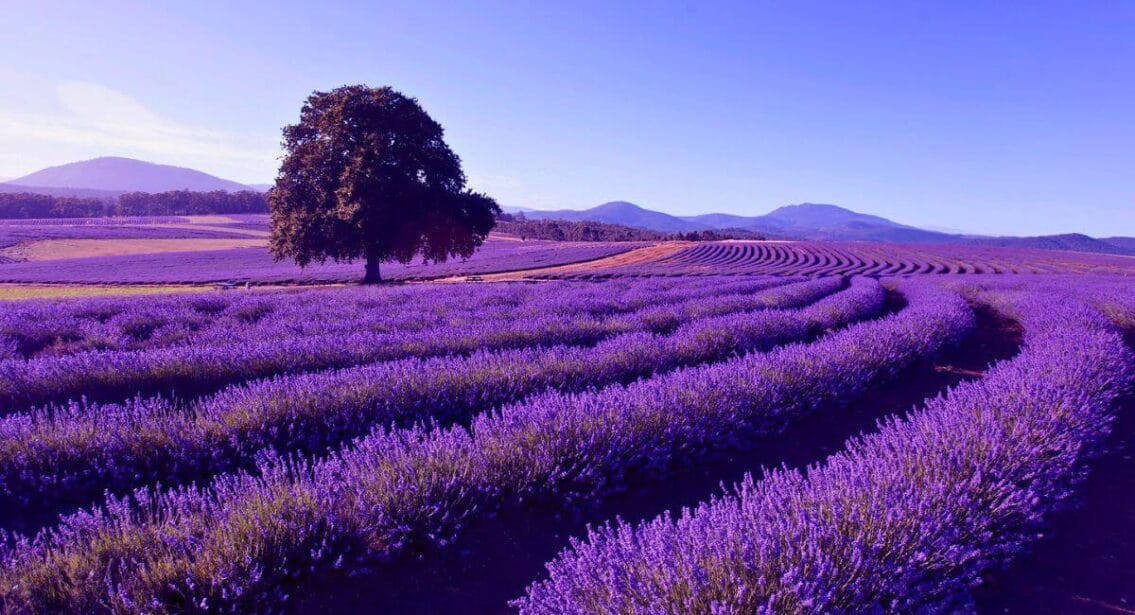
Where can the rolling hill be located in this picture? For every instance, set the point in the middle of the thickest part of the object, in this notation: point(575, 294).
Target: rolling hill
point(110, 176)
point(805, 221)
point(117, 175)
point(830, 222)
point(624, 213)
point(1075, 242)
point(821, 222)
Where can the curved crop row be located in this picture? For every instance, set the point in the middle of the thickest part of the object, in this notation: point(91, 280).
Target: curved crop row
point(905, 520)
point(112, 323)
point(233, 545)
point(64, 457)
point(1111, 295)
point(193, 370)
point(817, 258)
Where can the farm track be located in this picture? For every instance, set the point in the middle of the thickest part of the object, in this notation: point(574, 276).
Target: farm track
point(1087, 562)
point(494, 559)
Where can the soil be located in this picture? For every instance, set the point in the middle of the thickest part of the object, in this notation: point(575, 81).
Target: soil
point(636, 256)
point(61, 249)
point(218, 226)
point(1086, 563)
point(494, 559)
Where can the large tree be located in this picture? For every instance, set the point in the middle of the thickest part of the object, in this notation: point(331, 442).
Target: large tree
point(366, 174)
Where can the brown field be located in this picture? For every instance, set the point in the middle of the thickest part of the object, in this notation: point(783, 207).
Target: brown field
point(15, 292)
point(211, 219)
point(57, 249)
point(632, 257)
point(245, 232)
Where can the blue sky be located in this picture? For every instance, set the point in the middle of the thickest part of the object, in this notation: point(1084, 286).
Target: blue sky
point(987, 117)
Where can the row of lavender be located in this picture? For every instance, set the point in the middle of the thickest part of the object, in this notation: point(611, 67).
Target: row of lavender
point(70, 455)
point(12, 235)
point(238, 543)
point(908, 518)
point(818, 258)
point(190, 370)
point(1111, 295)
point(55, 327)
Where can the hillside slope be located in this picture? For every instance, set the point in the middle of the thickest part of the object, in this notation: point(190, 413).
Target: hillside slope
point(122, 175)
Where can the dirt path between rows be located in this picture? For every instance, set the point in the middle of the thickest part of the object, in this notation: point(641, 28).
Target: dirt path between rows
point(1086, 561)
point(496, 556)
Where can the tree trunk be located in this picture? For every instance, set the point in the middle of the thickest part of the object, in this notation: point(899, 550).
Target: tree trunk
point(372, 275)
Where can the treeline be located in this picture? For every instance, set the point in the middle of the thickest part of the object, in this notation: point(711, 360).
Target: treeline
point(173, 203)
point(567, 230)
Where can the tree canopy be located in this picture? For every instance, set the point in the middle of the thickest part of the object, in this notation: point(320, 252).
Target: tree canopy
point(367, 175)
point(172, 203)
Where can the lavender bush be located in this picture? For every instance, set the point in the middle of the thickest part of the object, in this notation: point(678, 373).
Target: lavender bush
point(73, 454)
point(200, 368)
point(234, 544)
point(55, 327)
point(904, 520)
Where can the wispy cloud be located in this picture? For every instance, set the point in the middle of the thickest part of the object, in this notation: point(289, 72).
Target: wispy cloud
point(99, 119)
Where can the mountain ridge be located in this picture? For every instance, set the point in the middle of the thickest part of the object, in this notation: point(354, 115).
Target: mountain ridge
point(621, 212)
point(824, 222)
point(118, 174)
point(109, 176)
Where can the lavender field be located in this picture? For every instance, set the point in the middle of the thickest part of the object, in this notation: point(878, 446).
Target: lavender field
point(188, 250)
point(255, 265)
point(549, 308)
point(641, 444)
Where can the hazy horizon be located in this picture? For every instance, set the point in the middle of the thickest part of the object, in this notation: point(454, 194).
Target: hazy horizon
point(991, 120)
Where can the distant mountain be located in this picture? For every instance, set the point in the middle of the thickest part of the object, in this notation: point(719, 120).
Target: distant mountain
point(805, 221)
point(832, 223)
point(817, 215)
point(624, 213)
point(261, 187)
point(512, 209)
point(122, 175)
point(820, 222)
point(1070, 241)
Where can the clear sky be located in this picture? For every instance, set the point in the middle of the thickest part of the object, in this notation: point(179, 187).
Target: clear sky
point(992, 117)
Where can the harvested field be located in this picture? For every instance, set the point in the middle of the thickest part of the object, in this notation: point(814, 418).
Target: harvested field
point(64, 249)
